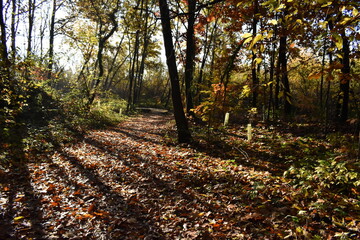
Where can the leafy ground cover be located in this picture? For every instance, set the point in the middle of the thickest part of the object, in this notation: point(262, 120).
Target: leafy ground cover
point(131, 181)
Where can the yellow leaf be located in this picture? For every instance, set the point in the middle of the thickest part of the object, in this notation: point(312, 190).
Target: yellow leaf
point(355, 12)
point(273, 22)
point(326, 4)
point(255, 40)
point(338, 40)
point(246, 35)
point(281, 6)
point(262, 48)
point(18, 218)
point(258, 60)
point(248, 40)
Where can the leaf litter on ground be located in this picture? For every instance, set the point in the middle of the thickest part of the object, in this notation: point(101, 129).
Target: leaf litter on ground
point(129, 182)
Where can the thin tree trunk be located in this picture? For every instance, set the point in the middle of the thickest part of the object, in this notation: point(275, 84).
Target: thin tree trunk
point(31, 17)
point(321, 90)
point(327, 100)
point(3, 48)
point(183, 131)
point(4, 60)
point(255, 80)
point(207, 48)
point(284, 76)
point(132, 72)
point(271, 80)
point(51, 40)
point(13, 29)
point(101, 46)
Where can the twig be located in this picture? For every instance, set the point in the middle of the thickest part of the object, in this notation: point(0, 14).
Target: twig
point(243, 153)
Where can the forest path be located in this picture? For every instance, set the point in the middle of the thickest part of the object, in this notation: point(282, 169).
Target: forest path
point(126, 183)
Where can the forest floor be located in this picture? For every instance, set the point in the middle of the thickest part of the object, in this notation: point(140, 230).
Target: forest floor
point(132, 182)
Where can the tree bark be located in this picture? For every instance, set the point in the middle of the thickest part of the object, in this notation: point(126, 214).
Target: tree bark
point(13, 29)
point(51, 39)
point(31, 16)
point(345, 79)
point(132, 78)
point(3, 48)
point(183, 131)
point(102, 41)
point(190, 55)
point(284, 76)
point(255, 80)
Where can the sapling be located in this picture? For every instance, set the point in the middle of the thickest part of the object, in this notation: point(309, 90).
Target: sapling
point(226, 121)
point(252, 113)
point(249, 132)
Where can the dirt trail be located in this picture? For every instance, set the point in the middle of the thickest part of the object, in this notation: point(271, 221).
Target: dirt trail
point(125, 183)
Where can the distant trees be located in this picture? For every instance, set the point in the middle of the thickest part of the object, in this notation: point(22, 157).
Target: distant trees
point(282, 58)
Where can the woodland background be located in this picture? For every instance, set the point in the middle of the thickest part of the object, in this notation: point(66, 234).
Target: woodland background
point(283, 66)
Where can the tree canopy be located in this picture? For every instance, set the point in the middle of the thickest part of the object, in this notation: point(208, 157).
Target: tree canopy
point(271, 85)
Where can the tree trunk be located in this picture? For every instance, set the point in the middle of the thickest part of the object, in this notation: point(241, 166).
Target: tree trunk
point(3, 48)
point(190, 55)
point(284, 76)
point(271, 80)
point(255, 80)
point(51, 39)
point(4, 60)
point(31, 16)
point(207, 48)
point(132, 79)
point(345, 79)
point(13, 29)
point(183, 131)
point(101, 46)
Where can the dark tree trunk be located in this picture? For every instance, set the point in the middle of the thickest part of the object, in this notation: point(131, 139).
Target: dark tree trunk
point(207, 48)
point(51, 39)
point(183, 131)
point(190, 55)
point(284, 75)
point(255, 80)
point(271, 80)
point(132, 77)
point(102, 41)
point(31, 16)
point(4, 60)
point(13, 29)
point(3, 48)
point(345, 79)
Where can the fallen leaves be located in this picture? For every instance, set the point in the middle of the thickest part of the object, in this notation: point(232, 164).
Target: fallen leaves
point(125, 183)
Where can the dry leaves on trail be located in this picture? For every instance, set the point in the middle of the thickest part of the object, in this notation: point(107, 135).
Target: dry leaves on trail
point(126, 183)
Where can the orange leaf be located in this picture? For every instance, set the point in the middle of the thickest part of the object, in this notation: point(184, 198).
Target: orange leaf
point(86, 215)
point(78, 192)
point(91, 208)
point(20, 199)
point(55, 204)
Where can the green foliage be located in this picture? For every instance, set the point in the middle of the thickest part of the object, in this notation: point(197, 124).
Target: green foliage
point(336, 173)
point(43, 122)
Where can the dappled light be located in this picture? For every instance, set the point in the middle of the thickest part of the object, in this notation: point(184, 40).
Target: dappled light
point(195, 119)
point(130, 182)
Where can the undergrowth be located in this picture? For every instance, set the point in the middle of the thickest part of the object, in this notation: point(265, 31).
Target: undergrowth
point(48, 121)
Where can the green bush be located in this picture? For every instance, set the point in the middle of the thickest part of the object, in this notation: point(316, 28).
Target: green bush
point(335, 173)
